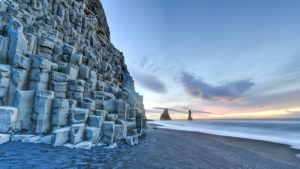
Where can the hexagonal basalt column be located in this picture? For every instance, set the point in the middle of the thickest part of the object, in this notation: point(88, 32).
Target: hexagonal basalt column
point(42, 110)
point(8, 118)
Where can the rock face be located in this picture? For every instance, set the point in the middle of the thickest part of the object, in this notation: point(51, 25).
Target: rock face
point(190, 115)
point(165, 115)
point(62, 79)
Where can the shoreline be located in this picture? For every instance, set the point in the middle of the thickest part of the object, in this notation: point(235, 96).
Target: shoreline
point(230, 138)
point(161, 148)
point(228, 134)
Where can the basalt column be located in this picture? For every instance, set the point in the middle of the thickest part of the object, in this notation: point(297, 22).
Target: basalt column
point(62, 82)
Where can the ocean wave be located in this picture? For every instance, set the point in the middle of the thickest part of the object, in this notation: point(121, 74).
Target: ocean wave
point(276, 131)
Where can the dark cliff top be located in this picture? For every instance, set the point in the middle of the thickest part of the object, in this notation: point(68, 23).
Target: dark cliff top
point(96, 7)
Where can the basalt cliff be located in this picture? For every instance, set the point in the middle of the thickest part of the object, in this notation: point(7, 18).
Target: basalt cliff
point(62, 82)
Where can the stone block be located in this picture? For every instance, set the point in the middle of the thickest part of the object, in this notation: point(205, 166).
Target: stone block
point(44, 42)
point(78, 115)
point(61, 95)
point(96, 95)
point(74, 95)
point(58, 77)
point(60, 116)
point(100, 86)
point(120, 131)
point(24, 101)
point(72, 71)
point(44, 52)
point(76, 59)
point(132, 140)
point(4, 82)
point(104, 66)
point(19, 81)
point(17, 41)
point(108, 132)
point(111, 117)
point(131, 125)
point(4, 138)
point(3, 96)
point(61, 136)
point(36, 85)
point(102, 113)
point(77, 133)
point(41, 63)
point(91, 59)
point(5, 70)
point(93, 74)
point(59, 103)
point(76, 88)
point(72, 103)
point(99, 104)
point(109, 106)
point(4, 41)
point(43, 109)
point(83, 72)
point(54, 67)
point(87, 103)
point(68, 49)
point(8, 118)
point(39, 75)
point(58, 86)
point(32, 43)
point(122, 109)
point(92, 134)
point(22, 62)
point(95, 121)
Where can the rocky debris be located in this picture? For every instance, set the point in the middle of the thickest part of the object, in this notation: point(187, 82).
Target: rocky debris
point(165, 115)
point(190, 115)
point(62, 82)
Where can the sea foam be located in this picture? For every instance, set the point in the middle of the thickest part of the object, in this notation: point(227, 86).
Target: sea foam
point(283, 131)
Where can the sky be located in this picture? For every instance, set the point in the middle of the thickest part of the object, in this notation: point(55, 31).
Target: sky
point(221, 59)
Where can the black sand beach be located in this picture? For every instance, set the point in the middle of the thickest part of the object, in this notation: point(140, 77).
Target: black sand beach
point(161, 149)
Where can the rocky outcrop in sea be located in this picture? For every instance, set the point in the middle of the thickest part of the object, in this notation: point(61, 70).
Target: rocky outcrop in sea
point(165, 115)
point(62, 82)
point(190, 115)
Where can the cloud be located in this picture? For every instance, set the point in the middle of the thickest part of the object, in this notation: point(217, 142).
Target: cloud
point(144, 61)
point(225, 92)
point(150, 82)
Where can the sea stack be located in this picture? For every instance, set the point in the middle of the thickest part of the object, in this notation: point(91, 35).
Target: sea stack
point(190, 115)
point(165, 115)
point(62, 81)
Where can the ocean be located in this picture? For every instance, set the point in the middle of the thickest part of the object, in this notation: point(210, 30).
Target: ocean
point(284, 131)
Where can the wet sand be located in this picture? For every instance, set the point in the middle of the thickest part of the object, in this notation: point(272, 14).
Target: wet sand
point(161, 148)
